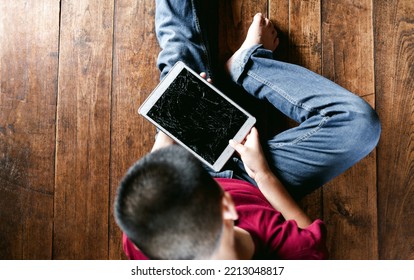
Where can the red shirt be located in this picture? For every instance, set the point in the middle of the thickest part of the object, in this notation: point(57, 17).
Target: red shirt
point(273, 236)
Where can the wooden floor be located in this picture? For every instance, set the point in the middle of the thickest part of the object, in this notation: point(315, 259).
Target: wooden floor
point(73, 74)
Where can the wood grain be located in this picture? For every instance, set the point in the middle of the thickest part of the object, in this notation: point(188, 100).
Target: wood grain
point(57, 190)
point(394, 64)
point(135, 75)
point(350, 209)
point(305, 50)
point(28, 72)
point(279, 14)
point(83, 131)
point(235, 18)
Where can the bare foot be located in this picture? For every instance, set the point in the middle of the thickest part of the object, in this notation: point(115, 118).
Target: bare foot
point(261, 31)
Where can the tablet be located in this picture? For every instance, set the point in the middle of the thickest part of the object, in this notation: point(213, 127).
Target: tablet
point(197, 115)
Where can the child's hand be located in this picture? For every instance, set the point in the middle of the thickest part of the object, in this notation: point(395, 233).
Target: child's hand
point(252, 155)
point(162, 140)
point(204, 76)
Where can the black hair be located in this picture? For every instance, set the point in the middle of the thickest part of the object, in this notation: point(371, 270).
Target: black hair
point(169, 206)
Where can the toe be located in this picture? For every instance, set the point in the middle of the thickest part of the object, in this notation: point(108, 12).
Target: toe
point(259, 18)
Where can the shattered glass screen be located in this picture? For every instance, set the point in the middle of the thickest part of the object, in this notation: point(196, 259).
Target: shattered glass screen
point(197, 116)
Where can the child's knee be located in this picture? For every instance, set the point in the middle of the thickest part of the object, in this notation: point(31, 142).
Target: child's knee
point(366, 129)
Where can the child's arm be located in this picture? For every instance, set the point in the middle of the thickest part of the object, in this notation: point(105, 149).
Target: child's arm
point(162, 140)
point(257, 167)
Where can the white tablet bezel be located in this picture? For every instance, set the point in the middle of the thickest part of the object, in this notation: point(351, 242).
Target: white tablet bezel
point(161, 88)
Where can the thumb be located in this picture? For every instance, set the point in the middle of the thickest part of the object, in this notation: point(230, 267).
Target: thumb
point(237, 146)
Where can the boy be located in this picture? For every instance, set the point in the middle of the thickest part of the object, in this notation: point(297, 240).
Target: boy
point(170, 207)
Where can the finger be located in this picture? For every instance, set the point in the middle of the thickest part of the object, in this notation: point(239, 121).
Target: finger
point(252, 134)
point(204, 76)
point(254, 131)
point(237, 146)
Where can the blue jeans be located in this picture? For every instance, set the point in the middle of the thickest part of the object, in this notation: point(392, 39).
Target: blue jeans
point(336, 128)
point(179, 34)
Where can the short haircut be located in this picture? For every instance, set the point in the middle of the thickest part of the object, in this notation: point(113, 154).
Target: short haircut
point(169, 206)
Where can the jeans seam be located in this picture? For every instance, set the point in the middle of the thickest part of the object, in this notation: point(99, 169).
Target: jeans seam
point(282, 93)
point(304, 136)
point(203, 45)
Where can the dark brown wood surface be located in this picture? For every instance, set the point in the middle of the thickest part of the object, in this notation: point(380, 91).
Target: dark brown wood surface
point(134, 77)
point(29, 33)
point(299, 25)
point(350, 203)
point(394, 68)
point(81, 199)
point(73, 74)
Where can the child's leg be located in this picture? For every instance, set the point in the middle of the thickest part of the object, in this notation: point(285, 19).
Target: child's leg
point(337, 128)
point(179, 34)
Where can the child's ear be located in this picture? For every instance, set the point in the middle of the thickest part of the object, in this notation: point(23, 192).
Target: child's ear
point(228, 208)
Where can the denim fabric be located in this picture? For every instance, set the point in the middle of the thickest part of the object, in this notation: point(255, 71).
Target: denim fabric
point(178, 30)
point(336, 128)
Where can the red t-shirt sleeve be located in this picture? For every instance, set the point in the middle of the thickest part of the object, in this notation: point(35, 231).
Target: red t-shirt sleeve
point(131, 251)
point(295, 243)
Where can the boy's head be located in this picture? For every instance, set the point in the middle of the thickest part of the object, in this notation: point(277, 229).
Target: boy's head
point(170, 207)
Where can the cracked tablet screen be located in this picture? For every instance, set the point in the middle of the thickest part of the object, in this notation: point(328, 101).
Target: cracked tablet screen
point(197, 116)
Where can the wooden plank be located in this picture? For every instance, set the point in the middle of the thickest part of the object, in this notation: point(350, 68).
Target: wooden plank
point(298, 25)
point(305, 34)
point(235, 18)
point(279, 15)
point(394, 60)
point(28, 71)
point(83, 130)
point(305, 50)
point(350, 209)
point(135, 76)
